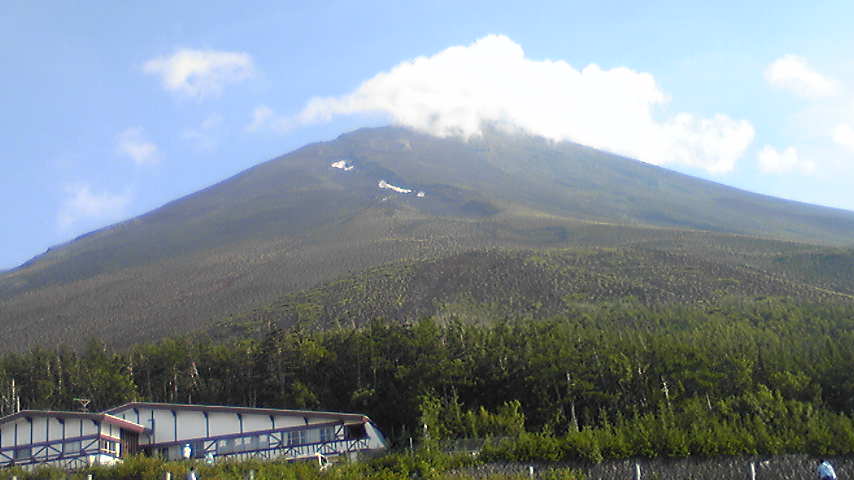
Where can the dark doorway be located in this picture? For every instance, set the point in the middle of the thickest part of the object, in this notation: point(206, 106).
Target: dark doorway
point(129, 443)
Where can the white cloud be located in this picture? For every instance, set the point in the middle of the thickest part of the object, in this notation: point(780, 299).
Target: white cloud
point(491, 81)
point(132, 142)
point(787, 161)
point(204, 137)
point(843, 135)
point(82, 205)
point(792, 73)
point(200, 73)
point(264, 118)
point(260, 118)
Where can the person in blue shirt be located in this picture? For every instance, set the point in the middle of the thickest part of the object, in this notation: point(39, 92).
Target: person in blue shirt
point(825, 470)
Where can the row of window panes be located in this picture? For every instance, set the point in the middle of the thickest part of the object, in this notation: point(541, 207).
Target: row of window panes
point(260, 442)
point(27, 452)
point(110, 447)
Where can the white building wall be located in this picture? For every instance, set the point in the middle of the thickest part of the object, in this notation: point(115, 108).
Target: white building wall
point(254, 423)
point(38, 425)
point(80, 427)
point(313, 420)
point(129, 415)
point(284, 421)
point(376, 438)
point(222, 423)
point(191, 424)
point(9, 434)
point(164, 425)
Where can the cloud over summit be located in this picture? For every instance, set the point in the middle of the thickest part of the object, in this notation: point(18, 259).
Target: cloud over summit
point(457, 90)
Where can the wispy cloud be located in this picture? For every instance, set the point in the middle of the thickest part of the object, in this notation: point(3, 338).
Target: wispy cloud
point(786, 161)
point(792, 73)
point(204, 137)
point(265, 119)
point(134, 144)
point(456, 91)
point(82, 206)
point(824, 136)
point(200, 73)
point(843, 135)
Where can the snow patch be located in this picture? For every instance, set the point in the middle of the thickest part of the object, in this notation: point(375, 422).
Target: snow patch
point(385, 185)
point(420, 194)
point(343, 165)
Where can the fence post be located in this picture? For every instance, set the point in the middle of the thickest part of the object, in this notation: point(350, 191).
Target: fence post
point(637, 472)
point(752, 470)
point(89, 477)
point(167, 476)
point(531, 471)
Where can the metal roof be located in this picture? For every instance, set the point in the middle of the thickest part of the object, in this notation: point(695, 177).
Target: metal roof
point(346, 417)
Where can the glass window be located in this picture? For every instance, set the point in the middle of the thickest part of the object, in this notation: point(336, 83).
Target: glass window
point(298, 437)
point(225, 446)
point(356, 431)
point(72, 447)
point(22, 453)
point(327, 434)
point(110, 447)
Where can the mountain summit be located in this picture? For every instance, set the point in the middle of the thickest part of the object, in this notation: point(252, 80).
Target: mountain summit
point(377, 196)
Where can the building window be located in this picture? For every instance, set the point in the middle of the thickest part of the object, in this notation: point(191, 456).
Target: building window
point(356, 431)
point(199, 449)
point(109, 447)
point(298, 437)
point(23, 453)
point(327, 434)
point(72, 447)
point(225, 446)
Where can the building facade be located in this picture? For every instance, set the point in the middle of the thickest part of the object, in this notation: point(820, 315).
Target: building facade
point(67, 439)
point(179, 431)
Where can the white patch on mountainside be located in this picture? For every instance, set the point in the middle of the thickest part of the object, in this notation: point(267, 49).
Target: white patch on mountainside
point(343, 165)
point(385, 185)
point(420, 194)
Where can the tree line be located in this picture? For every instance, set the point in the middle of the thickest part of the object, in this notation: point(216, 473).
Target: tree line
point(614, 380)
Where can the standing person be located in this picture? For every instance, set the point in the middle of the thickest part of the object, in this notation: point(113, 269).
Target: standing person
point(825, 470)
point(191, 475)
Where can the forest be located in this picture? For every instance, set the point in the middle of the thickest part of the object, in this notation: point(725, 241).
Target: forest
point(611, 381)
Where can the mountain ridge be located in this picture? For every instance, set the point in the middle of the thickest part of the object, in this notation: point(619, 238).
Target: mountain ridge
point(297, 221)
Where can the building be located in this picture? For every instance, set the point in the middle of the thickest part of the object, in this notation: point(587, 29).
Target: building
point(68, 439)
point(177, 431)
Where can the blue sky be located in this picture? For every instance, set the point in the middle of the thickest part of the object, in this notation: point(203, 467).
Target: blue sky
point(111, 109)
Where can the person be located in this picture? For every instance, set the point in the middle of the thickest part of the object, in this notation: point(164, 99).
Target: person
point(191, 475)
point(825, 470)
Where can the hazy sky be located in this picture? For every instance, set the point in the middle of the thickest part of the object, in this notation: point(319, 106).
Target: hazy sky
point(111, 109)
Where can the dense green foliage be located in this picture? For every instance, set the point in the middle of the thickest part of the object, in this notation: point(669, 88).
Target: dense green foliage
point(424, 464)
point(611, 381)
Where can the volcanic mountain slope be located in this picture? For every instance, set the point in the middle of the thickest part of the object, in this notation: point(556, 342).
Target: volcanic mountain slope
point(390, 195)
point(484, 285)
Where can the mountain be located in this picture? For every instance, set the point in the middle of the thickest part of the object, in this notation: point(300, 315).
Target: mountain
point(397, 198)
